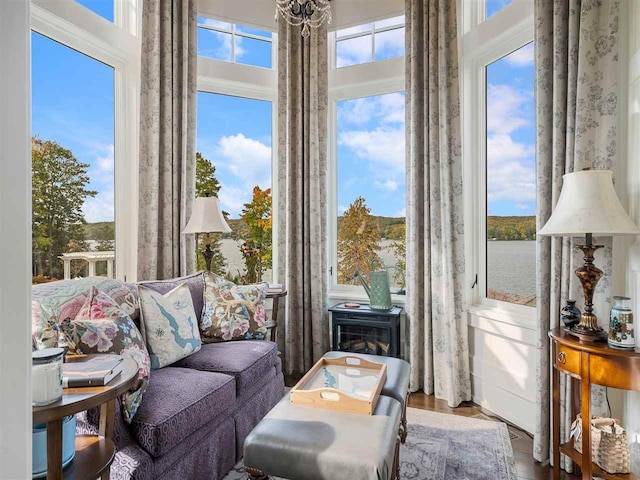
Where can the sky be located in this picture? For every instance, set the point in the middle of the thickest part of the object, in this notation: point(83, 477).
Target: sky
point(73, 104)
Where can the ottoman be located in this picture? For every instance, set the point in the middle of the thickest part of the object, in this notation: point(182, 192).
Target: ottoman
point(396, 385)
point(306, 443)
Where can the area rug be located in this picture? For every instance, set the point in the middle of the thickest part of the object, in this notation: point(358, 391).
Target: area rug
point(448, 447)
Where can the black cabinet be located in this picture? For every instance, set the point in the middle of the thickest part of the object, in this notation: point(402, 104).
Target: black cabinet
point(363, 330)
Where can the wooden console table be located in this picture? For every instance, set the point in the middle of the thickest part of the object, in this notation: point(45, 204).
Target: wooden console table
point(589, 363)
point(94, 453)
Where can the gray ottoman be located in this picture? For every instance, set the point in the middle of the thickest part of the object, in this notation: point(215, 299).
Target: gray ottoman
point(396, 385)
point(306, 443)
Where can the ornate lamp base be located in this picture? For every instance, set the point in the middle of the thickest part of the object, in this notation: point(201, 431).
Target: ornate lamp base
point(588, 329)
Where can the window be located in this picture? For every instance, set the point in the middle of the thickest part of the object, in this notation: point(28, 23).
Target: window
point(85, 84)
point(73, 159)
point(234, 43)
point(499, 144)
point(370, 185)
point(370, 42)
point(104, 8)
point(493, 6)
point(511, 181)
point(234, 155)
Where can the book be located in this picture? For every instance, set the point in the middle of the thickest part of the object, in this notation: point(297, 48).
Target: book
point(275, 288)
point(91, 371)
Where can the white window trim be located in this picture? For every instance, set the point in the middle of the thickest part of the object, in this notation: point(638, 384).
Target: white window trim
point(481, 46)
point(234, 32)
point(77, 27)
point(258, 83)
point(334, 39)
point(356, 81)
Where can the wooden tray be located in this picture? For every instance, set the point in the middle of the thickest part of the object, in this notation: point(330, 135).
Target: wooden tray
point(346, 384)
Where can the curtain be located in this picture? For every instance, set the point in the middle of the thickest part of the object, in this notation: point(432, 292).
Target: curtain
point(439, 352)
point(576, 55)
point(302, 192)
point(167, 138)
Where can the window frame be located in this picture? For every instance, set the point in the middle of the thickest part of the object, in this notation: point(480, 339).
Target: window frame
point(372, 32)
point(354, 81)
point(116, 45)
point(504, 32)
point(256, 83)
point(235, 33)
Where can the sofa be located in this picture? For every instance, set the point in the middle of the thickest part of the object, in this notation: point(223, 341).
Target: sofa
point(195, 413)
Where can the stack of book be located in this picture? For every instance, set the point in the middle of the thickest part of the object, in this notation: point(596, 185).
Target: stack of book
point(91, 370)
point(275, 288)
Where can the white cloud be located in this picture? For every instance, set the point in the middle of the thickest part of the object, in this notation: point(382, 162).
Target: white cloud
point(523, 57)
point(387, 108)
point(221, 48)
point(341, 209)
point(506, 109)
point(383, 146)
point(353, 51)
point(390, 44)
point(249, 161)
point(101, 207)
point(510, 178)
point(502, 147)
point(402, 212)
point(388, 185)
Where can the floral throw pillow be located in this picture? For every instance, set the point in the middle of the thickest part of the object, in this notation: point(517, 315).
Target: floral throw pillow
point(232, 312)
point(169, 324)
point(102, 326)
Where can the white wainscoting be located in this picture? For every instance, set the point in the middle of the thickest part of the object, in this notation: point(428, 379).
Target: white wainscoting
point(502, 360)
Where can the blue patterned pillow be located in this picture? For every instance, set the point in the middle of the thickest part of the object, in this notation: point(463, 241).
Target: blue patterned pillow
point(169, 325)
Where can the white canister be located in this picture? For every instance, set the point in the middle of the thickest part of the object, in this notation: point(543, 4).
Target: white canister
point(46, 376)
point(621, 326)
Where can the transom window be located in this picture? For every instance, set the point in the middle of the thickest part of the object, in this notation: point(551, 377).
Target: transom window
point(234, 43)
point(370, 42)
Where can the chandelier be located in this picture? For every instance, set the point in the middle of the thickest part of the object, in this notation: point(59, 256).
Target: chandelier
point(308, 13)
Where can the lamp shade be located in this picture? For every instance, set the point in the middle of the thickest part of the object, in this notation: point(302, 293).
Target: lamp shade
point(206, 217)
point(588, 204)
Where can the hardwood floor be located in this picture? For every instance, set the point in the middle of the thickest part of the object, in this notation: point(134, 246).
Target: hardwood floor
point(522, 444)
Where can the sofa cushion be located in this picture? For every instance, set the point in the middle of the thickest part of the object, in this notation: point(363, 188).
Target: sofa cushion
point(179, 401)
point(101, 326)
point(246, 360)
point(195, 283)
point(169, 324)
point(232, 312)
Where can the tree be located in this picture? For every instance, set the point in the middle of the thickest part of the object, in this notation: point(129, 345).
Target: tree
point(358, 242)
point(257, 247)
point(207, 185)
point(59, 191)
point(399, 249)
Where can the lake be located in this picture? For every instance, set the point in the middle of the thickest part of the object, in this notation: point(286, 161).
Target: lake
point(511, 264)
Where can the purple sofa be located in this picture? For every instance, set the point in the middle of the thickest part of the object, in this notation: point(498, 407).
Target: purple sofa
point(196, 413)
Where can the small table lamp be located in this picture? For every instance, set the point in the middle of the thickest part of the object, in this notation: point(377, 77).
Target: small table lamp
point(588, 205)
point(206, 218)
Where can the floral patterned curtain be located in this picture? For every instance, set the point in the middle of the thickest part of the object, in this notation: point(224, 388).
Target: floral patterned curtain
point(576, 55)
point(167, 138)
point(439, 352)
point(302, 193)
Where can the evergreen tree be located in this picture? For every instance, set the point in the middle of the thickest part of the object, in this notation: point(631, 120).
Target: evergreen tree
point(207, 185)
point(358, 242)
point(59, 190)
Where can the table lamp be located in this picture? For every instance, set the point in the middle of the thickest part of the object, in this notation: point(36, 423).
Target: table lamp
point(588, 205)
point(206, 218)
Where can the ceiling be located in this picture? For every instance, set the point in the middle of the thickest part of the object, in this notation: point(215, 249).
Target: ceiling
point(261, 13)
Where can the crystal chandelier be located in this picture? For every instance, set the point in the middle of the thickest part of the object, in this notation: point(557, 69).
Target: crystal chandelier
point(308, 13)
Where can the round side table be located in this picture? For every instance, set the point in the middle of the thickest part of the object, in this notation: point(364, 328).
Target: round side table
point(94, 453)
